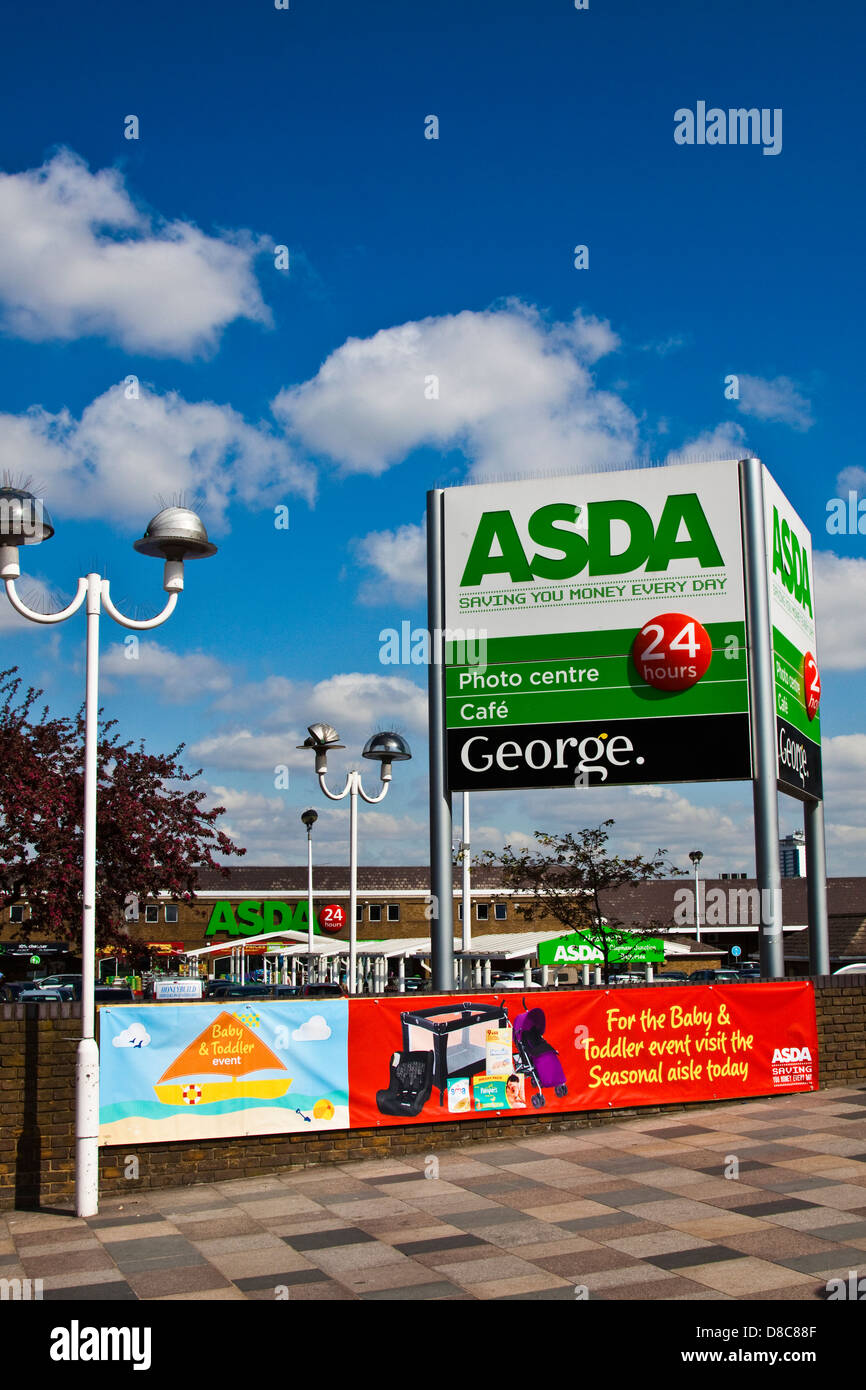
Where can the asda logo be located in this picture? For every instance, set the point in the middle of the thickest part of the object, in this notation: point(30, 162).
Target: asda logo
point(792, 1054)
point(790, 563)
point(609, 537)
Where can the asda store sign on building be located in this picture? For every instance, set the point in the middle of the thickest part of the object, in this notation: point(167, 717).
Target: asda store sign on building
point(611, 602)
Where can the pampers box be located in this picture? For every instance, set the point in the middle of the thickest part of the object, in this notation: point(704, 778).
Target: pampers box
point(488, 1092)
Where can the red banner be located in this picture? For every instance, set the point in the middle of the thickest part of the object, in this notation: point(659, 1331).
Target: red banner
point(441, 1057)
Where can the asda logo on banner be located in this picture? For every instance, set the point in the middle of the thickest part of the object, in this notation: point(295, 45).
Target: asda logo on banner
point(604, 537)
point(791, 563)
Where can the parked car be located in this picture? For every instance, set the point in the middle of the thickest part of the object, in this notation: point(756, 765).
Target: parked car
point(629, 977)
point(512, 979)
point(323, 991)
point(113, 994)
point(858, 968)
point(224, 989)
point(672, 977)
point(63, 994)
point(716, 977)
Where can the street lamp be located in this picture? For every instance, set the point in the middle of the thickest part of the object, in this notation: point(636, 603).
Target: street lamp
point(385, 748)
point(309, 819)
point(696, 856)
point(175, 534)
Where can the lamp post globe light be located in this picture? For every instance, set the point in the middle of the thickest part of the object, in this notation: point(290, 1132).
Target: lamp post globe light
point(174, 535)
point(696, 855)
point(385, 748)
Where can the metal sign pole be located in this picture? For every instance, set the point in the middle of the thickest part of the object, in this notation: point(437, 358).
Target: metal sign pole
point(441, 877)
point(816, 888)
point(763, 702)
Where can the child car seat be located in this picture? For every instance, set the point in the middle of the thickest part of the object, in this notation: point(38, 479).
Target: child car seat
point(410, 1084)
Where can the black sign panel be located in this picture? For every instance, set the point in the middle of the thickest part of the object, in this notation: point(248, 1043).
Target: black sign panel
point(710, 747)
point(799, 763)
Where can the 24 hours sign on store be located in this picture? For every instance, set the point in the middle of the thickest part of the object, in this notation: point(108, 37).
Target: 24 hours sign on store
point(609, 603)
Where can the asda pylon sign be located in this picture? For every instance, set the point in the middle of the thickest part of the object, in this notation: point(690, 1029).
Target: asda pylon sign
point(613, 611)
point(795, 667)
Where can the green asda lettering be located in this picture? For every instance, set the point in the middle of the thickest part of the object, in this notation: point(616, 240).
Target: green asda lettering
point(252, 918)
point(683, 533)
point(791, 563)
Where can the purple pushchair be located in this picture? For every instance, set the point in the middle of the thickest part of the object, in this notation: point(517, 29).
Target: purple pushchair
point(536, 1057)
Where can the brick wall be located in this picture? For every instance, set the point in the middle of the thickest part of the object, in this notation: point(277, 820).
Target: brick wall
point(37, 1112)
point(840, 1010)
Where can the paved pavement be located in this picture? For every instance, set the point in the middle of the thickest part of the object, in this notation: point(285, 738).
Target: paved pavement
point(636, 1210)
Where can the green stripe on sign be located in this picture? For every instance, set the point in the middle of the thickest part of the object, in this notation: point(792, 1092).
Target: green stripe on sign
point(553, 646)
point(790, 692)
point(610, 702)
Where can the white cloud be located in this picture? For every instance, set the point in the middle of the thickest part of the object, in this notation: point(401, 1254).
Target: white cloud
point(779, 401)
point(313, 1029)
point(840, 611)
point(853, 479)
point(246, 751)
point(514, 394)
point(724, 442)
point(121, 454)
point(400, 561)
point(136, 1035)
point(180, 677)
point(78, 258)
point(366, 702)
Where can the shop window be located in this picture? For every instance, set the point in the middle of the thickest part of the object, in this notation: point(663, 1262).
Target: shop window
point(171, 912)
point(482, 912)
point(359, 912)
point(500, 912)
point(16, 913)
point(393, 912)
point(375, 912)
point(151, 914)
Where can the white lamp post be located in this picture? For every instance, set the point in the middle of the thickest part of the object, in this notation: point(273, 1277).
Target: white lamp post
point(696, 856)
point(174, 535)
point(385, 748)
point(309, 819)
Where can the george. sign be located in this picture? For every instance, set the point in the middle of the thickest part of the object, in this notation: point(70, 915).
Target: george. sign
point(579, 949)
point(613, 612)
point(792, 622)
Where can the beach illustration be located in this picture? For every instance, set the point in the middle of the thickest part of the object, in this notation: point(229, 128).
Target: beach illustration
point(225, 1062)
point(198, 1071)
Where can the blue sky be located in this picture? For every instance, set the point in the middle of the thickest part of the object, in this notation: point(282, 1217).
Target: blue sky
point(259, 127)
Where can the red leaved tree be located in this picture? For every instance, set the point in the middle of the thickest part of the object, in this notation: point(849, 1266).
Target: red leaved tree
point(152, 833)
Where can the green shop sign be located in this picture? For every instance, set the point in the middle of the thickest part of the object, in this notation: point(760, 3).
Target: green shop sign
point(252, 918)
point(581, 950)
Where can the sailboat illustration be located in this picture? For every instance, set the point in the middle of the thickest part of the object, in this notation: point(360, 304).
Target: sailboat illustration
point(219, 1065)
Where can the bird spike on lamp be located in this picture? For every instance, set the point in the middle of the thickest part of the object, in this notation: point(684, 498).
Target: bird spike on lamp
point(24, 520)
point(322, 738)
point(386, 748)
point(175, 534)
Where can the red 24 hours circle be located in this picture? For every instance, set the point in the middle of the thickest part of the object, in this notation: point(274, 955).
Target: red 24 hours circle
point(672, 651)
